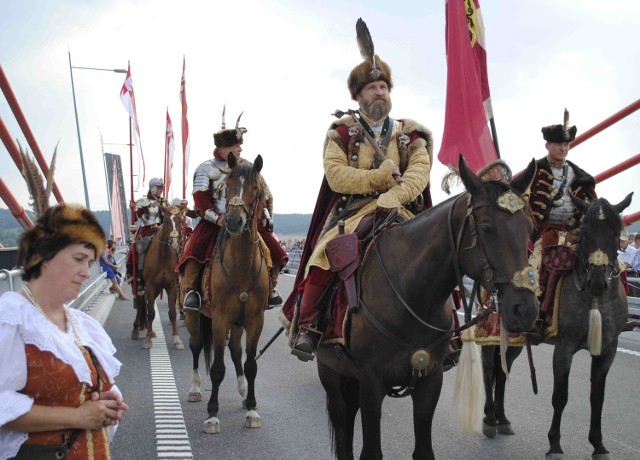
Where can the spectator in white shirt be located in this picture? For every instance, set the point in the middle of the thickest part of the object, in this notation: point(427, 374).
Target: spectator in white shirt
point(626, 251)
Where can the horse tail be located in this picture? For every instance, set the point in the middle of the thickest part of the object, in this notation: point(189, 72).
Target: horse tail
point(206, 334)
point(595, 330)
point(468, 399)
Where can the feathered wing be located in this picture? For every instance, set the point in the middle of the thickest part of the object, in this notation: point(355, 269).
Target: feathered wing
point(52, 168)
point(365, 42)
point(35, 183)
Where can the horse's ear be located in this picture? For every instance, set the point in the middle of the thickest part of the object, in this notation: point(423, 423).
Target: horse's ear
point(232, 161)
point(522, 183)
point(469, 179)
point(623, 204)
point(257, 164)
point(580, 204)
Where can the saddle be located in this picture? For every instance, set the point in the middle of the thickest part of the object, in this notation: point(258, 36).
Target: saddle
point(558, 260)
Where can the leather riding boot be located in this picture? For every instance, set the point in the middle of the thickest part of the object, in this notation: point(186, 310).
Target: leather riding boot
point(308, 337)
point(275, 298)
point(191, 280)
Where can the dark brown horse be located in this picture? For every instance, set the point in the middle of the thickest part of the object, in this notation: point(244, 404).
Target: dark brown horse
point(592, 311)
point(239, 294)
point(403, 326)
point(158, 273)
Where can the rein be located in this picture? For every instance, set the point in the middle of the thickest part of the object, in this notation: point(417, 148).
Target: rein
point(174, 236)
point(251, 214)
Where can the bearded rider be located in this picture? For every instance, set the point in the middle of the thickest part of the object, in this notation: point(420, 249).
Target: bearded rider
point(358, 182)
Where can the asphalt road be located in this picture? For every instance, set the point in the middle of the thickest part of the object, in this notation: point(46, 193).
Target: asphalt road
point(291, 402)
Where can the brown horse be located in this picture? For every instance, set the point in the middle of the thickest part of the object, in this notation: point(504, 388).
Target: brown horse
point(240, 290)
point(158, 273)
point(592, 310)
point(400, 333)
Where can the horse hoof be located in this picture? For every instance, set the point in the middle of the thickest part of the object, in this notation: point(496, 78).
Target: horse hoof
point(211, 426)
point(488, 430)
point(505, 428)
point(252, 420)
point(554, 456)
point(153, 334)
point(606, 456)
point(178, 343)
point(195, 397)
point(147, 344)
point(135, 335)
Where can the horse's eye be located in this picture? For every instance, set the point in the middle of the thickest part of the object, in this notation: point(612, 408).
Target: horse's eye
point(487, 229)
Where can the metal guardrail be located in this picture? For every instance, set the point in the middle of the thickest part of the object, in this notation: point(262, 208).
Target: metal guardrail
point(11, 280)
point(294, 262)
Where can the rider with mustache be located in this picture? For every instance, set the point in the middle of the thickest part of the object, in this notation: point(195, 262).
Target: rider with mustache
point(358, 185)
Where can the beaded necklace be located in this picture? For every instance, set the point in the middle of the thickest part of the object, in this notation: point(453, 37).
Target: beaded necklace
point(68, 316)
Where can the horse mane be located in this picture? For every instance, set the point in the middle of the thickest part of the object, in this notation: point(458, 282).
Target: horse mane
point(592, 221)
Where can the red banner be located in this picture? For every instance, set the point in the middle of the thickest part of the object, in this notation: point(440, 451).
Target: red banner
point(129, 100)
point(468, 105)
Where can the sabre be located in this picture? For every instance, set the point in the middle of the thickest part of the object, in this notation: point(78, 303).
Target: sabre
point(377, 151)
point(534, 380)
point(275, 336)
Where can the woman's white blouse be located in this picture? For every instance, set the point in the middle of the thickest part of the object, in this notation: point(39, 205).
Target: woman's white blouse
point(22, 323)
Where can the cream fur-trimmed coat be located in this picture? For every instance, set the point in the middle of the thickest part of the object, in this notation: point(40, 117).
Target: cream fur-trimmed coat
point(345, 179)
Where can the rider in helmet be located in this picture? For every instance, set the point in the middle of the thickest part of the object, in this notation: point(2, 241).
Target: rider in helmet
point(148, 215)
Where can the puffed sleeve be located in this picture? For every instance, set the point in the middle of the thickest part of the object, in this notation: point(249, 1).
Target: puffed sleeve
point(13, 374)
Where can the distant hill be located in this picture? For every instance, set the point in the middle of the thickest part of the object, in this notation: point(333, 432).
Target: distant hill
point(287, 225)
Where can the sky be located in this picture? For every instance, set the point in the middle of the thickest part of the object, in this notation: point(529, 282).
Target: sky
point(285, 64)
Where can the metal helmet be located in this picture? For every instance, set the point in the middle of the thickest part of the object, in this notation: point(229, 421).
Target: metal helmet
point(156, 182)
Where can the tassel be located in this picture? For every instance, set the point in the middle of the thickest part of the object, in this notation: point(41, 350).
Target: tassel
point(469, 397)
point(504, 344)
point(595, 330)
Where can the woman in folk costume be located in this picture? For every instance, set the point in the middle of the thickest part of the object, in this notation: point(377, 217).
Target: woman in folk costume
point(209, 196)
point(57, 365)
point(358, 181)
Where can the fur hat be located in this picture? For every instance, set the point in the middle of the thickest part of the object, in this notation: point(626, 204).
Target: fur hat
point(58, 227)
point(228, 137)
point(560, 133)
point(372, 68)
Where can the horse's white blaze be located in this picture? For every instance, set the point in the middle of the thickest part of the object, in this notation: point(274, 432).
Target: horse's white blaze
point(252, 420)
point(242, 386)
point(194, 391)
point(211, 425)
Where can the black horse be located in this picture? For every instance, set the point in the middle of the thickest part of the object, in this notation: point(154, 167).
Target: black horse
point(404, 324)
point(592, 310)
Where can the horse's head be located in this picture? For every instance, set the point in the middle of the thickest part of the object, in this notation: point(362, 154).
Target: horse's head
point(244, 194)
point(597, 250)
point(171, 231)
point(493, 245)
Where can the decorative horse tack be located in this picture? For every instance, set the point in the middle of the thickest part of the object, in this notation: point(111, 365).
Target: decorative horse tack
point(419, 362)
point(527, 278)
point(598, 258)
point(510, 202)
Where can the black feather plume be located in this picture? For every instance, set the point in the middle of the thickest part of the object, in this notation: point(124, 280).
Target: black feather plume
point(365, 43)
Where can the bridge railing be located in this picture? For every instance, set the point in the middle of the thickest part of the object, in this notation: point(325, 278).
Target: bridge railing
point(11, 280)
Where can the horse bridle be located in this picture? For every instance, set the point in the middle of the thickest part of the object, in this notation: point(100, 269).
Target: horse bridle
point(596, 259)
point(236, 201)
point(174, 234)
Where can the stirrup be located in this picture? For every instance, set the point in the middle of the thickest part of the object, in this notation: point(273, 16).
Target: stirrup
point(192, 301)
point(306, 343)
point(275, 299)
